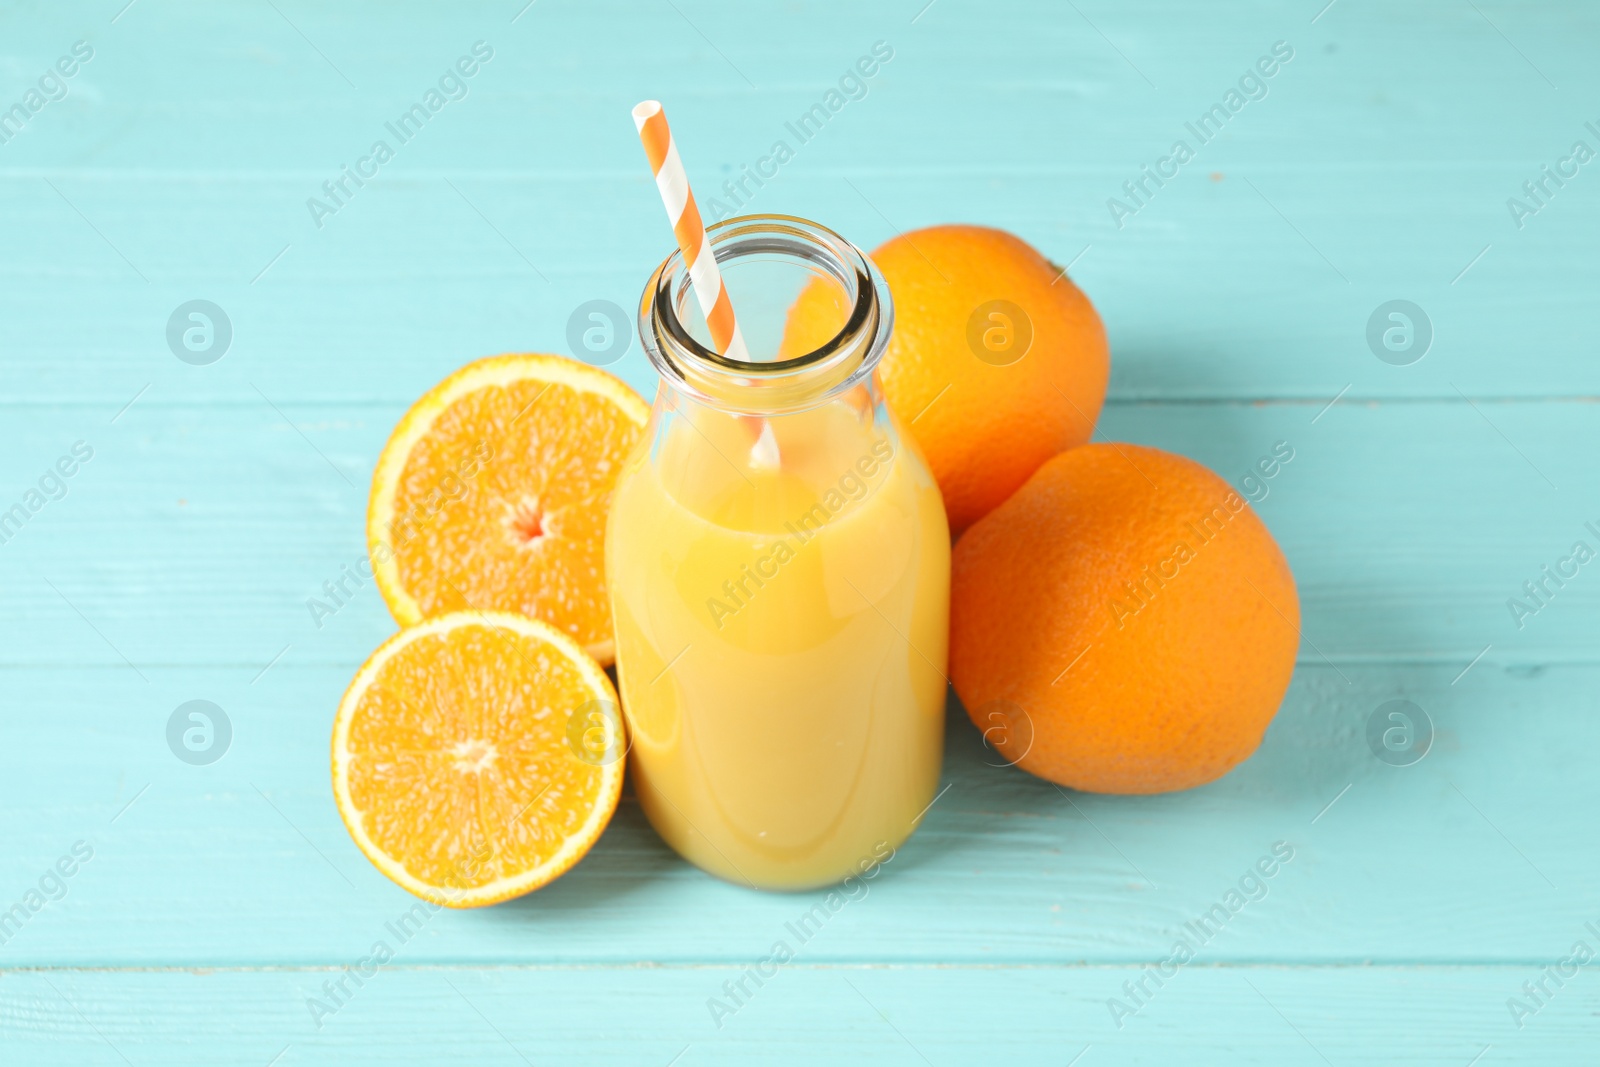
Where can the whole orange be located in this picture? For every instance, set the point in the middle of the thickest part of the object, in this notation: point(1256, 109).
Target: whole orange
point(997, 363)
point(1124, 623)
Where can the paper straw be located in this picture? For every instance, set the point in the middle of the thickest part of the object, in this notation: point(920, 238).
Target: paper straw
point(687, 226)
point(672, 181)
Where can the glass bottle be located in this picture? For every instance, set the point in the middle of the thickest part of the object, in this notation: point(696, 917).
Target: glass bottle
point(779, 565)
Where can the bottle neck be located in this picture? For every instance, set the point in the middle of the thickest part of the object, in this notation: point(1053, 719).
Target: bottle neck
point(815, 313)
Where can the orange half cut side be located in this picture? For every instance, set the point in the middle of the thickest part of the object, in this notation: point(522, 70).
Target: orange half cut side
point(465, 761)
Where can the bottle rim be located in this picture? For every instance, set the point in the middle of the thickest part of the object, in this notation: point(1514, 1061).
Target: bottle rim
point(851, 354)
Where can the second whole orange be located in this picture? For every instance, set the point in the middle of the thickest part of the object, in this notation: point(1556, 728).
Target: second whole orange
point(1124, 623)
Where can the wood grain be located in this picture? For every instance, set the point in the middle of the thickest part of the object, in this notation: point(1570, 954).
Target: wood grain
point(1435, 1016)
point(177, 565)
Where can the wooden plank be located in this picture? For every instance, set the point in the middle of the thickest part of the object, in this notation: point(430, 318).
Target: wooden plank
point(1203, 1015)
point(1237, 296)
point(1468, 856)
point(199, 534)
point(1363, 176)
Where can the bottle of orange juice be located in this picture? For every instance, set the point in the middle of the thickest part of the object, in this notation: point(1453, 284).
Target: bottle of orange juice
point(779, 563)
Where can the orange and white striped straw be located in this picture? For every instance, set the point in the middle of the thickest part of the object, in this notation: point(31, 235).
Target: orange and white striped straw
point(673, 183)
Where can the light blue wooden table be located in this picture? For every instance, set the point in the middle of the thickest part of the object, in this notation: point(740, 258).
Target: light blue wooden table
point(174, 563)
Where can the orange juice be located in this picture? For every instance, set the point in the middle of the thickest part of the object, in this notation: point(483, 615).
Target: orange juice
point(780, 588)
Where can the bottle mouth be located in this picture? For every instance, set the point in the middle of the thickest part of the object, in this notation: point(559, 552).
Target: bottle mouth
point(767, 261)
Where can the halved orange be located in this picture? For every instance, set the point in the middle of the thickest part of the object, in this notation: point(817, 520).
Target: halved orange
point(493, 490)
point(465, 761)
